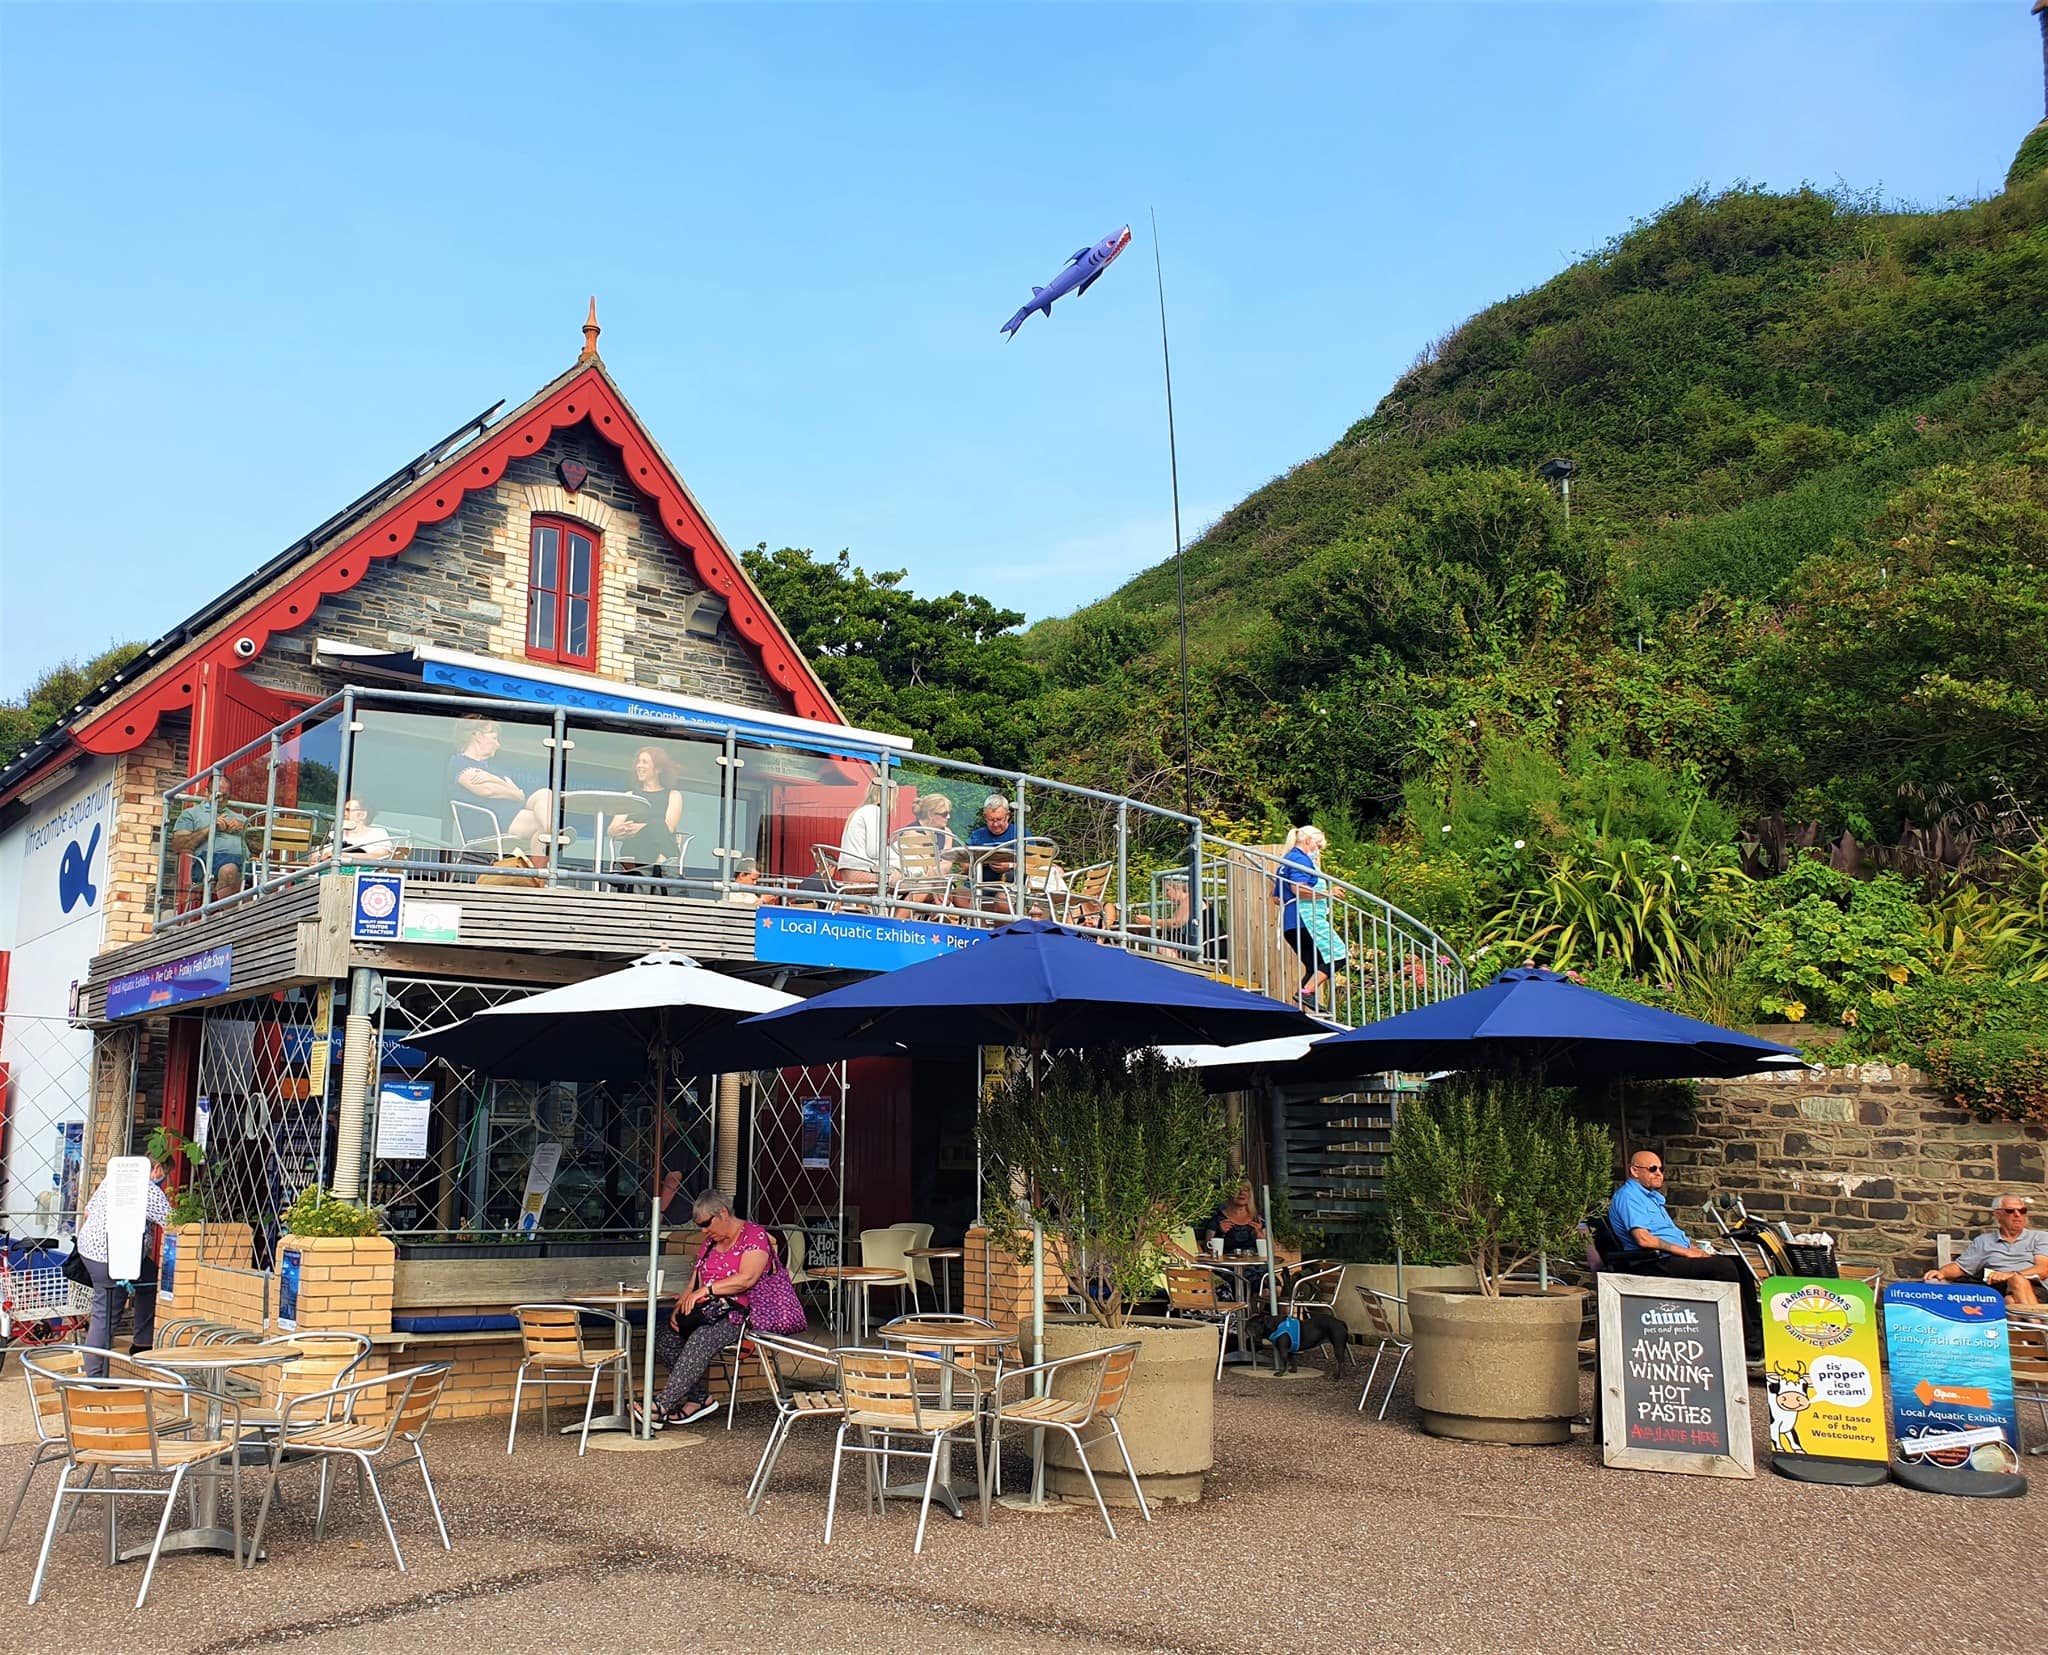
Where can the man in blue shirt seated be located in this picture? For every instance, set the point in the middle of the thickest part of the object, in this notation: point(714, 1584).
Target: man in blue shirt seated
point(997, 827)
point(1639, 1218)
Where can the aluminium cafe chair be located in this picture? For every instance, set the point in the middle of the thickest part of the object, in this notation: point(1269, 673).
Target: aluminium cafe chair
point(1191, 1295)
point(1091, 1409)
point(123, 1427)
point(322, 1427)
point(1383, 1315)
point(802, 1383)
point(46, 1411)
point(886, 1406)
point(555, 1355)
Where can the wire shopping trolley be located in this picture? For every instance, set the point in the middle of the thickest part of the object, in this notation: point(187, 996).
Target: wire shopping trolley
point(39, 1304)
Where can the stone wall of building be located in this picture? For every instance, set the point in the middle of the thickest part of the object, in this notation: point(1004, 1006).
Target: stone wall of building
point(1876, 1155)
point(461, 584)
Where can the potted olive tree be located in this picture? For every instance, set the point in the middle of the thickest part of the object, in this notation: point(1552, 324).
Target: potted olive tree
point(1110, 1155)
point(1488, 1169)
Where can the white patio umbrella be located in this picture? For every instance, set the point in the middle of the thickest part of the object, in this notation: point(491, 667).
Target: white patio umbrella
point(612, 1027)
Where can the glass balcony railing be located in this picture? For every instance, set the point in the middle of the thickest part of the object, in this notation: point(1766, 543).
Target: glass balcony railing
point(510, 794)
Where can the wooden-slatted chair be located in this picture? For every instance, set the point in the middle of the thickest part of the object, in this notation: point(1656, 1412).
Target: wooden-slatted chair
point(556, 1354)
point(46, 1412)
point(1088, 1415)
point(324, 1361)
point(1383, 1314)
point(323, 1427)
point(793, 1370)
point(1191, 1296)
point(123, 1427)
point(884, 1402)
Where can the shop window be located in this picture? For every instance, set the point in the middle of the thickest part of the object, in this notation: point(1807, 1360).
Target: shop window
point(561, 592)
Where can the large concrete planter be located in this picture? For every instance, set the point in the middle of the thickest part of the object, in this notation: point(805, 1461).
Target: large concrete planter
point(1497, 1370)
point(1168, 1419)
point(1400, 1281)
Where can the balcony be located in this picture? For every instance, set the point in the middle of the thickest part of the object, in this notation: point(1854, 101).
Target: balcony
point(760, 824)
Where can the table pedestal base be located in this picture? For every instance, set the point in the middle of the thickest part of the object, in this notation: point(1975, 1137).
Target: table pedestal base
point(188, 1540)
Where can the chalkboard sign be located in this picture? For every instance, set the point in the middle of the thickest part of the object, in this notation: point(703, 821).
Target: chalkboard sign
point(822, 1250)
point(1673, 1393)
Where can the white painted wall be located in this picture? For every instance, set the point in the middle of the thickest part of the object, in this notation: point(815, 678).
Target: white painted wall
point(53, 899)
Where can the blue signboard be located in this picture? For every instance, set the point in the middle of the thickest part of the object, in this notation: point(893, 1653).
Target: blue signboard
point(288, 1268)
point(167, 1269)
point(1954, 1418)
point(853, 942)
point(378, 901)
point(175, 982)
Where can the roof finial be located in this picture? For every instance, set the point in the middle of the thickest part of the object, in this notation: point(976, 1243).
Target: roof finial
point(590, 332)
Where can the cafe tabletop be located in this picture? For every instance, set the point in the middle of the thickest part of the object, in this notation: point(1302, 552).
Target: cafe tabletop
point(934, 1252)
point(853, 1272)
point(911, 1331)
point(207, 1360)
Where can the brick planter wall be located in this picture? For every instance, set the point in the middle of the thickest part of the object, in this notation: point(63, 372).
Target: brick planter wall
point(344, 1282)
point(1874, 1154)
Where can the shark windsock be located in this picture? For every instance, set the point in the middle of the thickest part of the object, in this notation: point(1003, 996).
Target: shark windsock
point(1080, 273)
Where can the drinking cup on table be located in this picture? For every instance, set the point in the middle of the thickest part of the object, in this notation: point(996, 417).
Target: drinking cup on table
point(1215, 1246)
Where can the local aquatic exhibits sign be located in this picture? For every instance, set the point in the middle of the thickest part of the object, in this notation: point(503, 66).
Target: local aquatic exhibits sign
point(174, 983)
point(1823, 1376)
point(1673, 1394)
point(1954, 1416)
point(853, 942)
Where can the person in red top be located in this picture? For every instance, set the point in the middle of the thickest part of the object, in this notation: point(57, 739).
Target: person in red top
point(738, 1274)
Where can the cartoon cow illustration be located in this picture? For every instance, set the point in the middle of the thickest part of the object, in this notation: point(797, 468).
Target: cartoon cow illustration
point(1790, 1394)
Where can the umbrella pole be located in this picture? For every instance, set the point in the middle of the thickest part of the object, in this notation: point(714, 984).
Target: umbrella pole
point(1038, 1354)
point(654, 1236)
point(1272, 1258)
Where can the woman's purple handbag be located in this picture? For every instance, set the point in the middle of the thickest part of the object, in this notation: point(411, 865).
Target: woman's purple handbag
point(772, 1304)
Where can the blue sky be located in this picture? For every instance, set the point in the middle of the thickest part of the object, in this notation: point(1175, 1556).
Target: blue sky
point(252, 258)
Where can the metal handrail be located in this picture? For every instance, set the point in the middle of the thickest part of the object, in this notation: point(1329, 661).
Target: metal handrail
point(1392, 960)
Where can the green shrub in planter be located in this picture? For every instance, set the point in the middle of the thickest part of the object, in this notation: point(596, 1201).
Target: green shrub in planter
point(319, 1212)
point(1110, 1155)
point(1488, 1170)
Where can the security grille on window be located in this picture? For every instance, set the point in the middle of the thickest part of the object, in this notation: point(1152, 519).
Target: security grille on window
point(561, 593)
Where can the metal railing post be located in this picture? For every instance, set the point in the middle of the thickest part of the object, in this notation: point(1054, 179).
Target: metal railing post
point(1017, 871)
point(345, 765)
point(270, 806)
point(558, 744)
point(1123, 867)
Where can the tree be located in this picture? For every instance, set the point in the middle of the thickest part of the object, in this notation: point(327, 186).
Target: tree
point(26, 718)
point(948, 671)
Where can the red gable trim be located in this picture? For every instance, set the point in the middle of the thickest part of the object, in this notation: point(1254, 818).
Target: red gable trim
point(125, 723)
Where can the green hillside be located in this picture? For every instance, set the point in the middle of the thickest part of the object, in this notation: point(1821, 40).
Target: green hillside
point(1800, 606)
point(1763, 394)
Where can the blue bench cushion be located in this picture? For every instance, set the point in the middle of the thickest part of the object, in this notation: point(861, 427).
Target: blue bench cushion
point(455, 1324)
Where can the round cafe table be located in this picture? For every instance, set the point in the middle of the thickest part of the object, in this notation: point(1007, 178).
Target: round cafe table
point(206, 1368)
point(1238, 1266)
point(943, 1340)
point(939, 1256)
point(853, 1282)
point(621, 1307)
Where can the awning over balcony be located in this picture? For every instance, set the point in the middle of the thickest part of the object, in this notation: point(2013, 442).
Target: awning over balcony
point(484, 675)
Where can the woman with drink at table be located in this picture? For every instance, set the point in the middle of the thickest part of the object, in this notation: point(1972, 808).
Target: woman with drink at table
point(1237, 1223)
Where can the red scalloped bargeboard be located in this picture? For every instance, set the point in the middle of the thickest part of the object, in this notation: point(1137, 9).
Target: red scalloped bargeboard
point(126, 723)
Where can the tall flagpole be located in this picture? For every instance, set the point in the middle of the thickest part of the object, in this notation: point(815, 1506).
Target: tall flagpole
point(1180, 573)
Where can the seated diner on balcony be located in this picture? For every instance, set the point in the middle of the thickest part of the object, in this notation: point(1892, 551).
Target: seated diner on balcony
point(357, 835)
point(481, 784)
point(996, 827)
point(208, 839)
point(863, 843)
point(647, 839)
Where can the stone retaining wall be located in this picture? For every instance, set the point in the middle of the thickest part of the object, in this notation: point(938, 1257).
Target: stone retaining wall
point(1874, 1154)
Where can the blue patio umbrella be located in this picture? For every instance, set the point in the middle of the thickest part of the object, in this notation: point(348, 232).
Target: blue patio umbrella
point(1529, 1020)
point(1031, 984)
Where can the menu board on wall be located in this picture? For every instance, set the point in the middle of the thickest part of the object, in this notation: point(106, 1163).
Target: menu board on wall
point(1673, 1393)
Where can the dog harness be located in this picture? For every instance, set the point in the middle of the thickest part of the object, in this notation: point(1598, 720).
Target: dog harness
point(1290, 1330)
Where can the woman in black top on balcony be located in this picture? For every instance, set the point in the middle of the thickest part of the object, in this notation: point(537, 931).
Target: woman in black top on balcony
point(647, 838)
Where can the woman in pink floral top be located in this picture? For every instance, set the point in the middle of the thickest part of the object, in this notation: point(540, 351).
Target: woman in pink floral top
point(738, 1274)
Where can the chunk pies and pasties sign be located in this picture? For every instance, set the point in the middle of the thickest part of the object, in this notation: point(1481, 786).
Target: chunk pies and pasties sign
point(1673, 1394)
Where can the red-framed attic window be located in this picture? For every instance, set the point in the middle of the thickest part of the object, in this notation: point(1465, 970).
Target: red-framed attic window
point(561, 592)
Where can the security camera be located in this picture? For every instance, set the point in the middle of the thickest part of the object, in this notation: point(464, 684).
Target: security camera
point(246, 648)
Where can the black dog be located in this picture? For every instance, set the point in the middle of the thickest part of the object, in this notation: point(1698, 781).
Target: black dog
point(1316, 1327)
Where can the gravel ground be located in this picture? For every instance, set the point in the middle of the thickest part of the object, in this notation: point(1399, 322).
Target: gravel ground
point(1323, 1531)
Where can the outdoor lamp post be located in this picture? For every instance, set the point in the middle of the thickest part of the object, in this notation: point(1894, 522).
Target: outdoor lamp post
point(1559, 470)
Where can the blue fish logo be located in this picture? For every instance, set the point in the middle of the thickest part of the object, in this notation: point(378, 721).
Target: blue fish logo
point(74, 874)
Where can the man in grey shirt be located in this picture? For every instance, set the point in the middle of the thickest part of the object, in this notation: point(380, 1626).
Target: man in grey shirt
point(2011, 1258)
